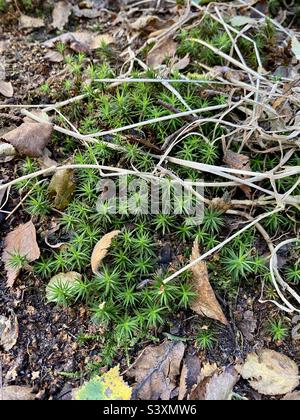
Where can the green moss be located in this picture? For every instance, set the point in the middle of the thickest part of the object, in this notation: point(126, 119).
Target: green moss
point(2, 5)
point(128, 298)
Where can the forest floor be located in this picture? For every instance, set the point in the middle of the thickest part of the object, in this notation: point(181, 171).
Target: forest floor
point(200, 298)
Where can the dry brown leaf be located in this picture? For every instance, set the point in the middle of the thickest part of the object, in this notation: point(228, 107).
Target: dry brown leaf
point(151, 23)
point(9, 331)
point(61, 14)
point(16, 393)
point(205, 303)
point(6, 89)
point(30, 139)
point(101, 249)
point(241, 162)
point(221, 203)
point(208, 369)
point(62, 187)
point(248, 325)
point(182, 63)
point(80, 41)
point(160, 52)
point(270, 373)
point(22, 240)
point(189, 375)
point(29, 22)
point(237, 161)
point(217, 387)
point(54, 57)
point(292, 396)
point(7, 152)
point(156, 371)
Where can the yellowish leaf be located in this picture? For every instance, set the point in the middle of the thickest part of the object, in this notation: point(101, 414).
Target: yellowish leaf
point(109, 386)
point(101, 249)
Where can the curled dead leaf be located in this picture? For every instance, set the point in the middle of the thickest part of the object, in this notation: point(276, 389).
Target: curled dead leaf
point(270, 373)
point(62, 187)
point(156, 371)
point(160, 52)
point(217, 387)
point(9, 331)
point(22, 240)
point(101, 249)
point(205, 302)
point(30, 139)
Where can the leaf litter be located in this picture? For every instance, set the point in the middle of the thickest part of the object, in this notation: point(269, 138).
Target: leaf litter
point(30, 139)
point(270, 372)
point(156, 371)
point(216, 387)
point(62, 187)
point(21, 241)
point(110, 386)
point(205, 302)
point(101, 249)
